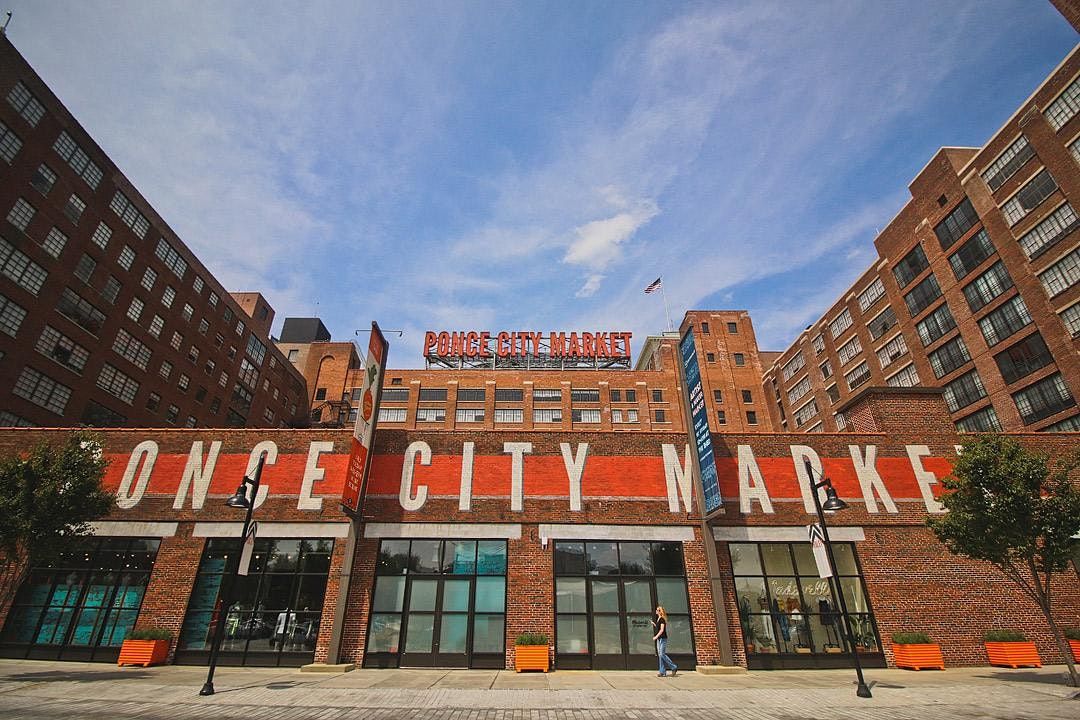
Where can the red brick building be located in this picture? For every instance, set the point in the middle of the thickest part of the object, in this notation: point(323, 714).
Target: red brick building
point(106, 317)
point(469, 537)
point(976, 288)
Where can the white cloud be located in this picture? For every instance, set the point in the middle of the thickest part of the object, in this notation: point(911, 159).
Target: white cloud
point(592, 284)
point(597, 243)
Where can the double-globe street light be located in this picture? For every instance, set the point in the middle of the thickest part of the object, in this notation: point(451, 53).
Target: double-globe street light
point(832, 504)
point(242, 499)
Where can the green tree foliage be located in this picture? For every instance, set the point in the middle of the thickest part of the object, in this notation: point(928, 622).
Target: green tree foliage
point(49, 494)
point(1017, 510)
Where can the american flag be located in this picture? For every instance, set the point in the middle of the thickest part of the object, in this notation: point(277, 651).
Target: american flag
point(655, 285)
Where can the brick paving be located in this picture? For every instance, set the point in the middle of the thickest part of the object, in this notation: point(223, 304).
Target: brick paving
point(72, 690)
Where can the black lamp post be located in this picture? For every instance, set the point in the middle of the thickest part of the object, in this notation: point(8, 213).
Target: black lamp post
point(240, 500)
point(832, 504)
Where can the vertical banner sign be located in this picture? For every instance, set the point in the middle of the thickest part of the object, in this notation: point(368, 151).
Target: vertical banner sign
point(699, 416)
point(249, 547)
point(364, 432)
point(821, 555)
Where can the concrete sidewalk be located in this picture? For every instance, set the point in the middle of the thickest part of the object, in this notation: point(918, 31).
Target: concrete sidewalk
point(35, 689)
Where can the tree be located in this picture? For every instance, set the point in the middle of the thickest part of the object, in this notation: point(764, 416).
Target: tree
point(48, 495)
point(1016, 510)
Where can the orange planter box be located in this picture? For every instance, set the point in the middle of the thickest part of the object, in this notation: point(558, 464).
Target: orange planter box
point(921, 656)
point(1013, 654)
point(1075, 645)
point(143, 652)
point(531, 657)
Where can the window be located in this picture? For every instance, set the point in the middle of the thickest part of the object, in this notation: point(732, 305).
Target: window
point(873, 292)
point(101, 235)
point(733, 328)
point(1071, 424)
point(1004, 321)
point(43, 179)
point(25, 104)
point(909, 268)
point(111, 290)
point(54, 345)
point(395, 395)
point(1071, 317)
point(718, 396)
point(467, 415)
point(751, 417)
point(85, 268)
point(892, 351)
point(907, 377)
point(148, 279)
point(1050, 231)
point(172, 259)
point(849, 350)
point(215, 407)
point(509, 415)
point(433, 395)
point(793, 366)
point(129, 215)
point(740, 359)
point(212, 299)
point(240, 327)
point(200, 395)
point(1062, 275)
point(320, 394)
point(747, 396)
point(1042, 399)
point(1023, 358)
point(958, 222)
point(721, 417)
point(1029, 197)
point(204, 326)
point(1064, 107)
point(833, 392)
point(547, 415)
point(11, 316)
point(971, 254)
point(166, 369)
point(167, 296)
point(183, 383)
point(391, 414)
point(135, 309)
point(1007, 163)
point(818, 344)
point(197, 285)
point(187, 312)
point(710, 357)
point(506, 394)
point(922, 295)
point(630, 395)
point(256, 350)
point(964, 390)
point(10, 144)
point(934, 325)
point(42, 390)
point(471, 394)
point(127, 256)
point(841, 423)
point(73, 208)
point(156, 325)
point(839, 324)
point(176, 341)
point(153, 401)
point(704, 328)
point(858, 376)
point(826, 370)
point(585, 415)
point(82, 313)
point(987, 286)
point(15, 264)
point(21, 214)
point(131, 349)
point(881, 323)
point(430, 414)
point(985, 420)
point(76, 157)
point(241, 397)
point(796, 393)
point(949, 357)
point(172, 413)
point(657, 396)
point(117, 383)
point(223, 379)
point(805, 413)
point(624, 416)
point(585, 395)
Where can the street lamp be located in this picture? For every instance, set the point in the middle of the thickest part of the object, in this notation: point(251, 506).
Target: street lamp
point(242, 499)
point(832, 504)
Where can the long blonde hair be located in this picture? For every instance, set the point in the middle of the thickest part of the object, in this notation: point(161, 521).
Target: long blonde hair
point(661, 612)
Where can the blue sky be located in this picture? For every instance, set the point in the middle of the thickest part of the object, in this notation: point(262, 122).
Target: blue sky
point(533, 165)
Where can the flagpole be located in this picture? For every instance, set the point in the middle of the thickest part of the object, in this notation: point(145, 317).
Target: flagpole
point(667, 312)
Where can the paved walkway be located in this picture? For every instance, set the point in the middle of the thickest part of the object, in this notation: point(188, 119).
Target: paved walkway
point(30, 689)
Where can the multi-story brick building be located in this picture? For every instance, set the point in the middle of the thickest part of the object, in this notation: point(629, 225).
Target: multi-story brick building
point(976, 288)
point(106, 317)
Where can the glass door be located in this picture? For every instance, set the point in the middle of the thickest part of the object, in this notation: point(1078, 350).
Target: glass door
point(437, 623)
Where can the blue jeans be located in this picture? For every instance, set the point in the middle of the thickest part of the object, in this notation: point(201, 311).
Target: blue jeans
point(661, 654)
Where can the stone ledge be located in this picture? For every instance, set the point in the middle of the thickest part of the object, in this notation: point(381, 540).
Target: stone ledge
point(720, 669)
point(325, 668)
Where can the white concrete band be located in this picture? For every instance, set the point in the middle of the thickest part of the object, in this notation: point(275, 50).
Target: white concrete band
point(273, 529)
point(784, 534)
point(133, 529)
point(463, 531)
point(659, 533)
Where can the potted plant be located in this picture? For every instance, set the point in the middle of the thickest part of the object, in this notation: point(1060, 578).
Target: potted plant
point(1008, 648)
point(531, 652)
point(1073, 636)
point(749, 636)
point(147, 646)
point(914, 651)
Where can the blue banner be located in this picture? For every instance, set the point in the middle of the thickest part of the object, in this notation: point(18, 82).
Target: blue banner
point(699, 416)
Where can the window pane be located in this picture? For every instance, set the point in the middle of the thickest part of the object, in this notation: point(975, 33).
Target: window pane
point(635, 558)
point(491, 557)
point(453, 633)
point(422, 595)
point(569, 558)
point(389, 594)
point(671, 593)
point(640, 633)
point(459, 557)
point(570, 595)
point(489, 632)
point(384, 633)
point(490, 594)
point(420, 633)
point(393, 557)
point(638, 596)
point(456, 595)
point(777, 559)
point(784, 592)
point(425, 556)
point(603, 558)
point(679, 640)
point(572, 634)
point(845, 559)
point(667, 558)
point(751, 594)
point(605, 596)
point(607, 635)
point(744, 559)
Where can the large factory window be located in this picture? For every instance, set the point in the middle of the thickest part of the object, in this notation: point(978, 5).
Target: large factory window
point(273, 613)
point(790, 617)
point(81, 606)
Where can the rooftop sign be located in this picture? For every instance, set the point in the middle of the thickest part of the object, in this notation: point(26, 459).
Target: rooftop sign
point(523, 349)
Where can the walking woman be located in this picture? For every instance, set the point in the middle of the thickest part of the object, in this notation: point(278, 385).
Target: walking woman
point(660, 625)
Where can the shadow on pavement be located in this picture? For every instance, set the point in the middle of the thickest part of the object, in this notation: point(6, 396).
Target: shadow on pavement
point(85, 677)
point(1029, 676)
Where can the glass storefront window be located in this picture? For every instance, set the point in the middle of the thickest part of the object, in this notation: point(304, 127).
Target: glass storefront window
point(789, 615)
point(81, 606)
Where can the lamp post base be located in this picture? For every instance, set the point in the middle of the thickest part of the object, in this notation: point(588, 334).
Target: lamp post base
point(208, 689)
point(863, 691)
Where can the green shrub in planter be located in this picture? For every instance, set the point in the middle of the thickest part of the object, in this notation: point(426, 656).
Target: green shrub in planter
point(532, 639)
point(150, 634)
point(1072, 633)
point(1004, 636)
point(910, 638)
